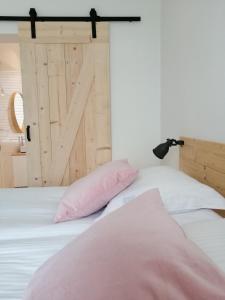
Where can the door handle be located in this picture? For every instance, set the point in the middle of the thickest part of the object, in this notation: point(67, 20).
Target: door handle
point(28, 133)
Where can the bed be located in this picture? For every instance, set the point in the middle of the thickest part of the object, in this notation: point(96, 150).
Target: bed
point(28, 236)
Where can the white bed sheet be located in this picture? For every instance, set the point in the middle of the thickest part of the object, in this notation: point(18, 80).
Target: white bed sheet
point(199, 215)
point(28, 236)
point(210, 237)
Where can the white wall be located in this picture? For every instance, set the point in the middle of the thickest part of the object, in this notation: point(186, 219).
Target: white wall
point(193, 70)
point(135, 68)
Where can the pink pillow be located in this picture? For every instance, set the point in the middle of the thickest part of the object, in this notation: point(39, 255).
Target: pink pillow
point(136, 253)
point(91, 193)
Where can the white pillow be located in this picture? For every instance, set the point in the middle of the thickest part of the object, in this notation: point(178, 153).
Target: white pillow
point(179, 192)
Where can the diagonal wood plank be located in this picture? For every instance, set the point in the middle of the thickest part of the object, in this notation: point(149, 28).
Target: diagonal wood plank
point(70, 127)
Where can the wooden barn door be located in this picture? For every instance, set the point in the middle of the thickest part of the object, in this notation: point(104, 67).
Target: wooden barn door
point(65, 77)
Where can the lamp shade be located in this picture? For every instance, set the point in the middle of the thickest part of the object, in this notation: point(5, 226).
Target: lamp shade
point(161, 150)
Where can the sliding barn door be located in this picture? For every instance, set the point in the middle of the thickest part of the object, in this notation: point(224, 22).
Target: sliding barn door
point(65, 77)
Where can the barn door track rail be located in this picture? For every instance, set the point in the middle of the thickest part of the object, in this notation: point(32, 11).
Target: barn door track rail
point(93, 18)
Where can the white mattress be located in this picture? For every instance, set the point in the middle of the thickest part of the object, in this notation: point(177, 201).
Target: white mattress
point(28, 236)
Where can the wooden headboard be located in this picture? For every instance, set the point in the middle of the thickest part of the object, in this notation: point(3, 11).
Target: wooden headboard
point(204, 161)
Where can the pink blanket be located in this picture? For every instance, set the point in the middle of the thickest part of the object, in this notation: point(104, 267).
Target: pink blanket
point(136, 253)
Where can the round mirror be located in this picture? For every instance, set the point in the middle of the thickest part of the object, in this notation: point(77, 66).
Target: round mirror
point(16, 114)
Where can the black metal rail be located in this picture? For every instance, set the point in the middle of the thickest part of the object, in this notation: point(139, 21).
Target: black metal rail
point(93, 18)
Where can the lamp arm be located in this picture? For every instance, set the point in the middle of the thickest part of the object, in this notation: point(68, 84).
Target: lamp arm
point(174, 142)
point(180, 143)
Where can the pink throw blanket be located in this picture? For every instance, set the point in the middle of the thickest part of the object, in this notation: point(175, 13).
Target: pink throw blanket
point(136, 253)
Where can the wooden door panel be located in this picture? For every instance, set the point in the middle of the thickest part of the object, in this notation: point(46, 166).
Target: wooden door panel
point(57, 94)
point(74, 59)
point(70, 127)
point(44, 110)
point(102, 103)
point(94, 135)
point(31, 112)
point(57, 91)
point(70, 104)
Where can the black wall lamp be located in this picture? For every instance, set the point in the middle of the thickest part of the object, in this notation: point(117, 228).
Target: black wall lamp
point(161, 150)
